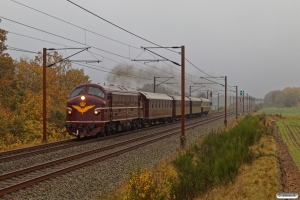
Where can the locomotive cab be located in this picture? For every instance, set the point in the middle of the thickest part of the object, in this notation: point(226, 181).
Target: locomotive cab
point(85, 110)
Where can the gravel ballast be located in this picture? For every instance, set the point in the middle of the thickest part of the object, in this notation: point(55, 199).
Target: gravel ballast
point(103, 177)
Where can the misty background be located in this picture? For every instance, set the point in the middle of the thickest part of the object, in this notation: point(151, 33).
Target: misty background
point(254, 43)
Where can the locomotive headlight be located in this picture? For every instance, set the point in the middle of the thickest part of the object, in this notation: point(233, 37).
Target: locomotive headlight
point(82, 98)
point(97, 111)
point(69, 110)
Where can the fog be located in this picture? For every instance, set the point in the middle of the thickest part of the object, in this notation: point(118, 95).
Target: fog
point(254, 43)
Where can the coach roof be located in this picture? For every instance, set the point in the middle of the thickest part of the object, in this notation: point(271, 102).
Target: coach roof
point(194, 99)
point(150, 95)
point(178, 98)
point(205, 100)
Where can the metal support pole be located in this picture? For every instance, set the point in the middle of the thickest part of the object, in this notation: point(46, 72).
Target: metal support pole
point(218, 101)
point(190, 91)
point(207, 94)
point(236, 102)
point(247, 102)
point(44, 95)
point(154, 84)
point(182, 137)
point(225, 119)
point(243, 102)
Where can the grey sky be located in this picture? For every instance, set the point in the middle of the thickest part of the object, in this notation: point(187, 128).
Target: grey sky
point(255, 43)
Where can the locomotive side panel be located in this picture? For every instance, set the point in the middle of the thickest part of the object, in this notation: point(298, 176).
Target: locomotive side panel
point(125, 106)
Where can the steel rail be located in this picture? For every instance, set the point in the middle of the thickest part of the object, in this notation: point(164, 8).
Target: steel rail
point(101, 158)
point(50, 147)
point(84, 154)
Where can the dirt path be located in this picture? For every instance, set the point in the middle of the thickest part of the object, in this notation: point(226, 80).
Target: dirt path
point(290, 173)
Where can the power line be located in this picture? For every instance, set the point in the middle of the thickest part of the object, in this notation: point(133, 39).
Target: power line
point(197, 68)
point(118, 26)
point(69, 40)
point(93, 53)
point(111, 70)
point(62, 37)
point(133, 33)
point(22, 50)
point(100, 34)
point(73, 24)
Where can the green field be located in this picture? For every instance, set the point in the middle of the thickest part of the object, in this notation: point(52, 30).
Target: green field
point(289, 130)
point(284, 111)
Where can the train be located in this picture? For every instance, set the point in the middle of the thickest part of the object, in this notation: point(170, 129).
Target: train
point(100, 110)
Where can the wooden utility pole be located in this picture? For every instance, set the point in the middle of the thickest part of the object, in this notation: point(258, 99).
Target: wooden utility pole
point(243, 102)
point(236, 103)
point(182, 137)
point(154, 84)
point(218, 101)
point(225, 119)
point(44, 95)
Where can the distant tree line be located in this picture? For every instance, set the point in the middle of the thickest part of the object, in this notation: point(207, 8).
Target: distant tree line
point(288, 97)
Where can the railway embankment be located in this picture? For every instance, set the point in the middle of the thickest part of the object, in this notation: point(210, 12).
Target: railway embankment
point(239, 162)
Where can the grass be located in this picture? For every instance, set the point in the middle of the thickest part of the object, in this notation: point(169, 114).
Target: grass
point(216, 161)
point(284, 111)
point(256, 181)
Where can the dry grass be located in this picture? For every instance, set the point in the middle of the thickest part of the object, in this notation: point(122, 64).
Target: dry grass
point(256, 181)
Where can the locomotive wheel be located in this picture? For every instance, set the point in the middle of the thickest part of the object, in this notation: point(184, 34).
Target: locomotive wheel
point(98, 135)
point(106, 130)
point(113, 129)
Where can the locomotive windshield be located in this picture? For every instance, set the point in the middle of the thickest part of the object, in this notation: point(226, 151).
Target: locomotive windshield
point(96, 91)
point(78, 91)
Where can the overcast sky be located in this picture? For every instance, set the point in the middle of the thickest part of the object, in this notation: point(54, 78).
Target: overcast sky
point(254, 43)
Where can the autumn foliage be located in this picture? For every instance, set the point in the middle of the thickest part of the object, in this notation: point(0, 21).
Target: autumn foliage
point(288, 97)
point(21, 97)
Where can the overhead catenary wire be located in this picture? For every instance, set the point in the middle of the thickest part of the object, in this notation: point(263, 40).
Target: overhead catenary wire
point(62, 37)
point(101, 34)
point(72, 24)
point(108, 38)
point(111, 71)
point(76, 42)
point(130, 32)
point(118, 26)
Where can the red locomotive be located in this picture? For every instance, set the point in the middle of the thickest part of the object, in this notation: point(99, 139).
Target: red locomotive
point(95, 110)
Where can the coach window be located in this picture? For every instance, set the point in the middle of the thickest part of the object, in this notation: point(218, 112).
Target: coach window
point(96, 91)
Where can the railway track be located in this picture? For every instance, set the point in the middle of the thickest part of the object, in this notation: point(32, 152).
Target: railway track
point(55, 146)
point(23, 178)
